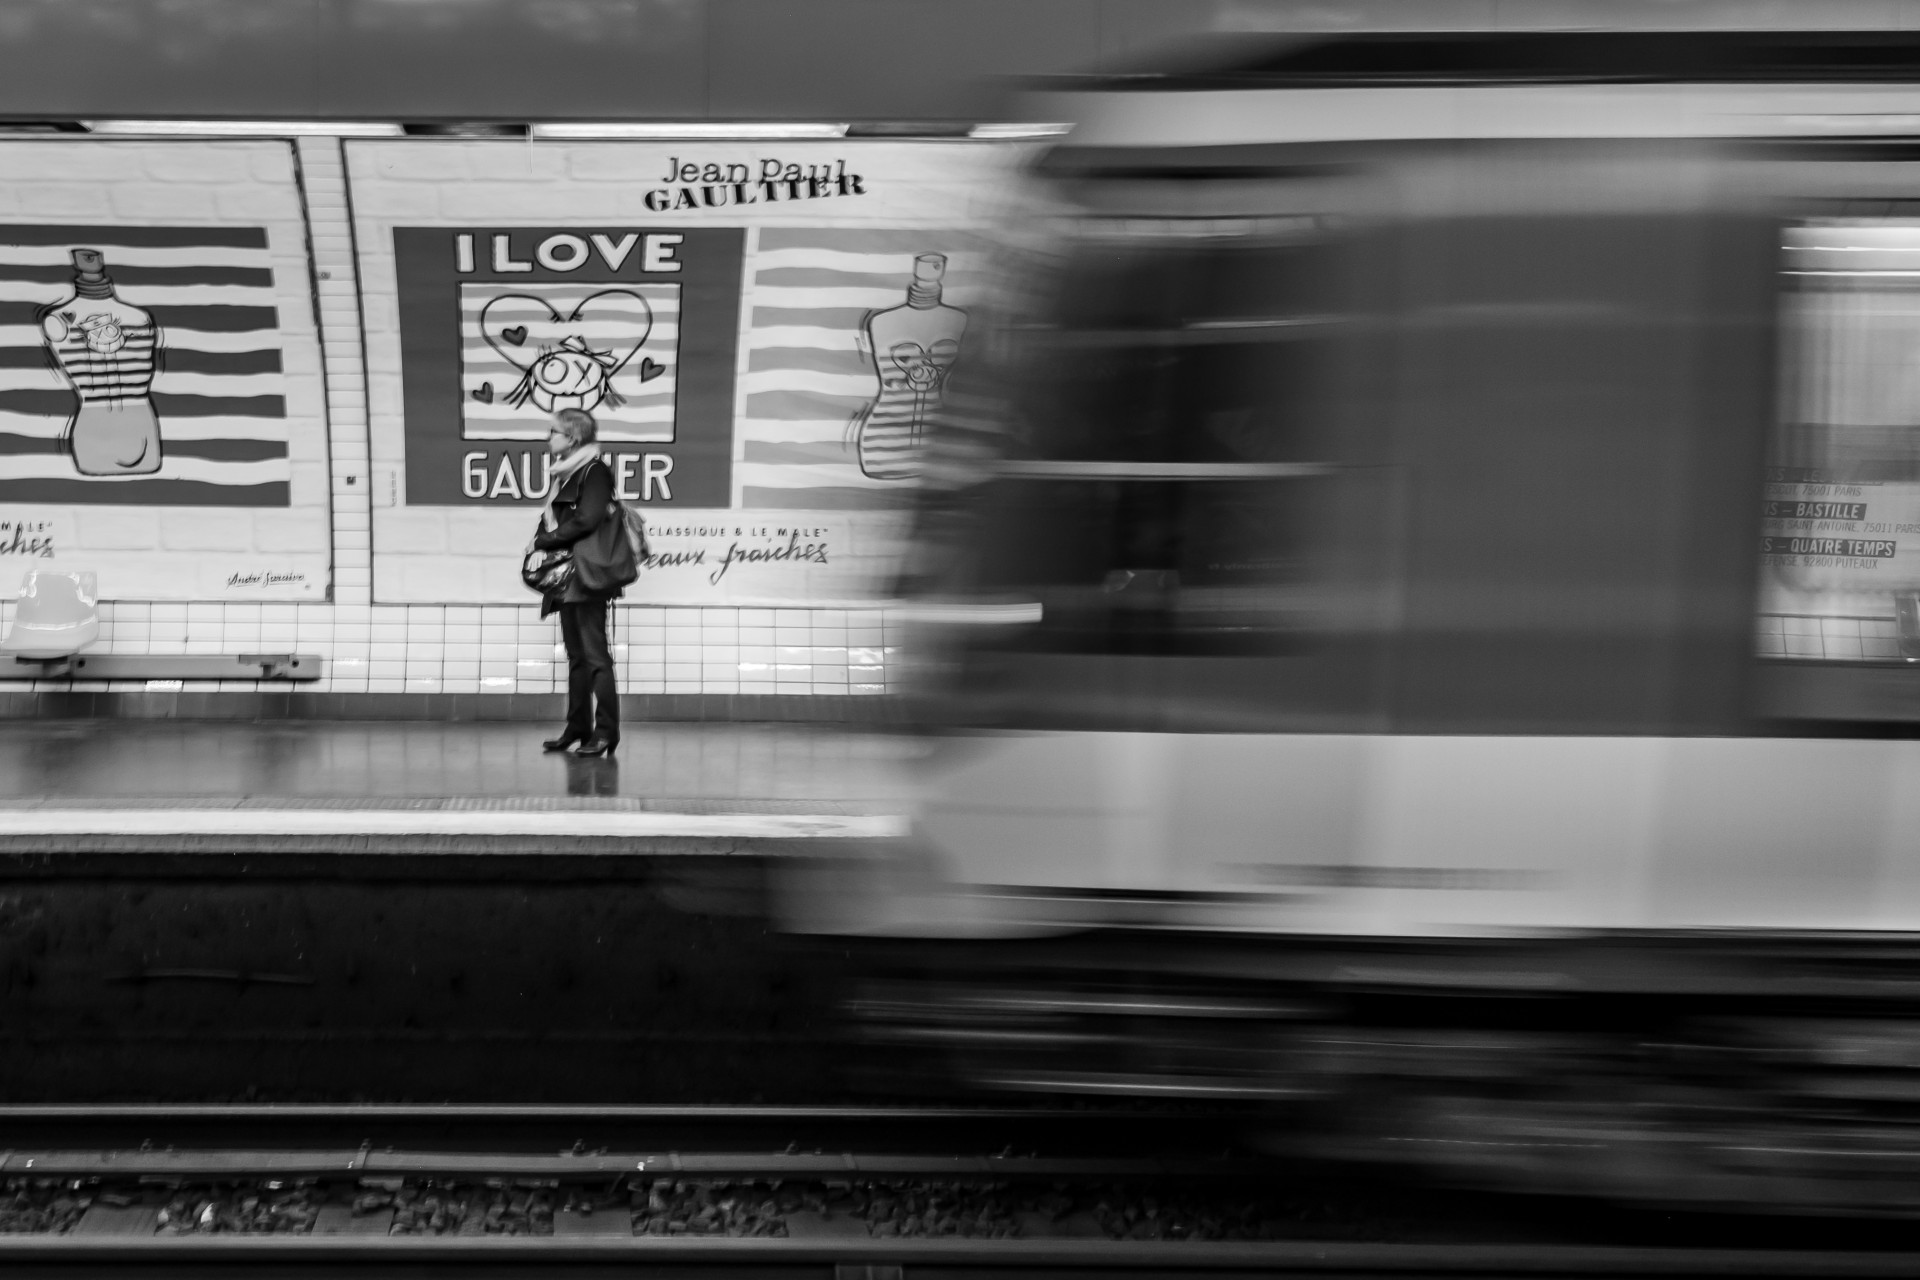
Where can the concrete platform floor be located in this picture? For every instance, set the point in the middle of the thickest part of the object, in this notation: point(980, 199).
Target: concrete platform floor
point(476, 778)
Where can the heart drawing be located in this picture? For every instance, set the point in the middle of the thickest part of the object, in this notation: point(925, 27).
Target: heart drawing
point(649, 369)
point(568, 361)
point(484, 393)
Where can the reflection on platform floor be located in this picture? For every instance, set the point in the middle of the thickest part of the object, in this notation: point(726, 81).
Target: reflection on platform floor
point(101, 775)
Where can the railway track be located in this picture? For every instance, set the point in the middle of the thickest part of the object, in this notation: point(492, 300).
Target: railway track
point(881, 1194)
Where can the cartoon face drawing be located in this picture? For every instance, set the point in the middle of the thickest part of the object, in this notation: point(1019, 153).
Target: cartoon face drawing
point(103, 334)
point(925, 367)
point(528, 350)
point(560, 366)
point(569, 376)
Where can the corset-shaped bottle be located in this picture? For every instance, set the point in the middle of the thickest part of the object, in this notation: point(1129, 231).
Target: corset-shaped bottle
point(913, 346)
point(106, 347)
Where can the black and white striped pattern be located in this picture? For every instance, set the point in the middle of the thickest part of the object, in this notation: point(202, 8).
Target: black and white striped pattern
point(807, 378)
point(218, 383)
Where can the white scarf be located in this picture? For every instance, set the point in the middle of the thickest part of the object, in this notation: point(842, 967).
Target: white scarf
point(565, 466)
point(561, 469)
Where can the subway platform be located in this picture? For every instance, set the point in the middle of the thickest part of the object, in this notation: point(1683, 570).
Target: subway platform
point(396, 911)
point(145, 786)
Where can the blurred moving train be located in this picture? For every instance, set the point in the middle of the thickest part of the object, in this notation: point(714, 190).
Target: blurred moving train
point(1422, 617)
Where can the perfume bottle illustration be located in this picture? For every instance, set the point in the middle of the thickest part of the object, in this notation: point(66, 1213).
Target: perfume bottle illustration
point(913, 346)
point(106, 347)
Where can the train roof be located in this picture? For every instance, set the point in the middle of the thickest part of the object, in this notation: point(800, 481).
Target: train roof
point(1377, 59)
point(1238, 90)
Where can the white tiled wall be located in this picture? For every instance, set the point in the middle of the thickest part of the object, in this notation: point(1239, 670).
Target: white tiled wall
point(368, 648)
point(506, 648)
point(510, 649)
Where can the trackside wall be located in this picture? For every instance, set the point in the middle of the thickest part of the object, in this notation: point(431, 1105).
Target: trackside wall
point(331, 478)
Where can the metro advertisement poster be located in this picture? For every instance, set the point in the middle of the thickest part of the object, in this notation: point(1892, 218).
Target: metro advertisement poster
point(765, 341)
point(163, 421)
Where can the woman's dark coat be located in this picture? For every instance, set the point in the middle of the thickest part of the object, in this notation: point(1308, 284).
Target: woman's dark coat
point(579, 505)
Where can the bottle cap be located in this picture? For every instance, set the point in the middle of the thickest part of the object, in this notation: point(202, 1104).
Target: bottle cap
point(90, 279)
point(928, 270)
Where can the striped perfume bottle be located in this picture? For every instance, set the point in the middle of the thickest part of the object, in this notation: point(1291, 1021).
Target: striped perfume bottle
point(106, 348)
point(913, 346)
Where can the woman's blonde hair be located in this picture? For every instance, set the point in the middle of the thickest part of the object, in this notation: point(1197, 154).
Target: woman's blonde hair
point(579, 425)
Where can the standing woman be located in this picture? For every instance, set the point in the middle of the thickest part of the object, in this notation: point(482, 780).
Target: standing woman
point(583, 490)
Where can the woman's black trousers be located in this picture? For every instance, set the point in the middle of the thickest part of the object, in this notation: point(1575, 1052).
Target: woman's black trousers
point(593, 699)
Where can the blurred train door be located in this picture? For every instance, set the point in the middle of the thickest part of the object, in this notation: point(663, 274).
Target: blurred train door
point(1582, 378)
point(1193, 496)
point(1500, 545)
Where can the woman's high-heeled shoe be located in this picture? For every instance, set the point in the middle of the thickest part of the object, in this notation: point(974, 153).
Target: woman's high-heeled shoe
point(560, 743)
point(597, 746)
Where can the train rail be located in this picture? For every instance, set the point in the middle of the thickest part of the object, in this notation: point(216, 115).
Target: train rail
point(529, 1129)
point(365, 1162)
point(870, 1260)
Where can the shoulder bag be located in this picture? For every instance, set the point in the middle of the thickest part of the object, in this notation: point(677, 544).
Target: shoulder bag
point(610, 557)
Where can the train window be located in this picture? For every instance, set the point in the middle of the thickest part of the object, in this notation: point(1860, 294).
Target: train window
point(1172, 480)
point(1182, 349)
point(1840, 538)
